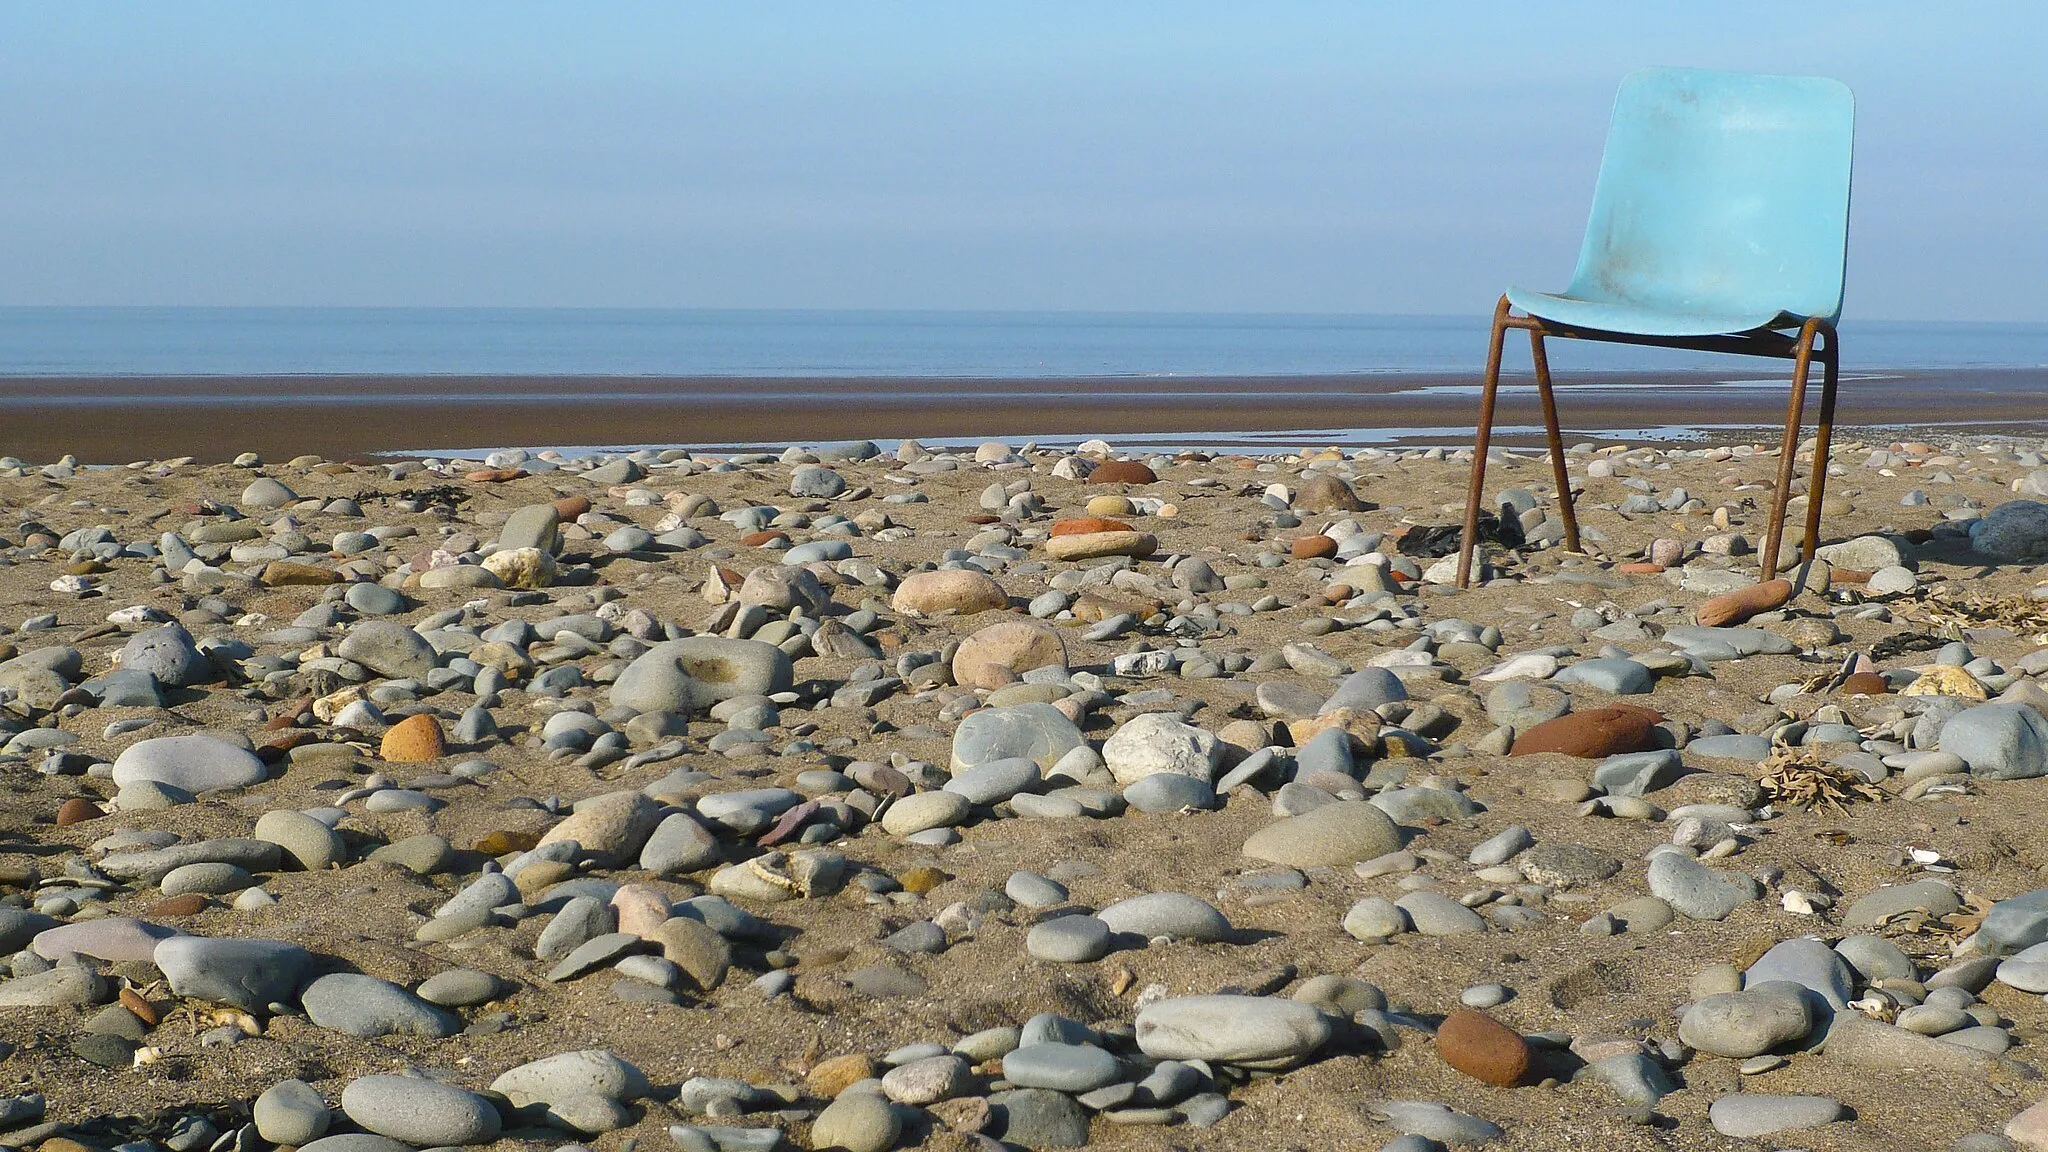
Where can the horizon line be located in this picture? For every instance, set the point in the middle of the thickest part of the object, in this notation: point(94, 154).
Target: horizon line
point(856, 311)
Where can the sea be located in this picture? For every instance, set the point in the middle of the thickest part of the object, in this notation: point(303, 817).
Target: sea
point(137, 342)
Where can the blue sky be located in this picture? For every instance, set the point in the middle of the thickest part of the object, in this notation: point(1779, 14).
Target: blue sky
point(1322, 157)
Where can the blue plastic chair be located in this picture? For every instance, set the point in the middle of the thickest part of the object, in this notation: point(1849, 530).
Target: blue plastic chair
point(1720, 222)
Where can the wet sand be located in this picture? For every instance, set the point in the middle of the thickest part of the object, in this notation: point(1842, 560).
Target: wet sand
point(116, 419)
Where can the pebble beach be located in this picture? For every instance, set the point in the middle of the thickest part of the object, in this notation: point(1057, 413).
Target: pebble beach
point(1007, 796)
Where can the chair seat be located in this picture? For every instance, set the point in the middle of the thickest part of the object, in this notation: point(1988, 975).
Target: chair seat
point(1638, 320)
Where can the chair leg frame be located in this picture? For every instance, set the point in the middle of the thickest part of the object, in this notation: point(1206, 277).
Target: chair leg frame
point(1816, 339)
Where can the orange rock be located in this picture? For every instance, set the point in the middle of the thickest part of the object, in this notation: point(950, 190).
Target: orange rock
point(188, 904)
point(283, 573)
point(921, 879)
point(762, 539)
point(143, 1009)
point(1339, 593)
point(1122, 472)
point(830, 1077)
point(1592, 735)
point(1639, 568)
point(505, 840)
point(1483, 1048)
point(494, 475)
point(77, 810)
point(568, 508)
point(1313, 547)
point(1849, 576)
point(1084, 525)
point(414, 739)
point(1739, 605)
point(1862, 684)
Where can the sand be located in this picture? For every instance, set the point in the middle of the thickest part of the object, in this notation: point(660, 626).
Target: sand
point(363, 916)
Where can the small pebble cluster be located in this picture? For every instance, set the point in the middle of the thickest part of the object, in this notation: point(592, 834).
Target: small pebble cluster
point(1016, 797)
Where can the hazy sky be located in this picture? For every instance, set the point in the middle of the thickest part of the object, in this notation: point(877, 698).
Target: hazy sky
point(1325, 157)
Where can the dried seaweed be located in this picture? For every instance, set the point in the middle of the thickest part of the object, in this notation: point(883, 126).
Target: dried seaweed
point(1901, 643)
point(1920, 933)
point(1800, 778)
point(1950, 610)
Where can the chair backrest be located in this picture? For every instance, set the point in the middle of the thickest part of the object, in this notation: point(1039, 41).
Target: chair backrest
point(1722, 192)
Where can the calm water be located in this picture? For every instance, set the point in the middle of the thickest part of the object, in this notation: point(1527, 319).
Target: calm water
point(1019, 345)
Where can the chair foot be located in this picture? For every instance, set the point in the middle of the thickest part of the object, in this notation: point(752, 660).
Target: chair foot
point(1475, 489)
point(1788, 452)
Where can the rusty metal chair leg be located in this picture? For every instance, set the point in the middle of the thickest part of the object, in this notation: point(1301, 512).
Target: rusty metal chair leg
point(1830, 367)
point(1557, 466)
point(1475, 490)
point(1795, 411)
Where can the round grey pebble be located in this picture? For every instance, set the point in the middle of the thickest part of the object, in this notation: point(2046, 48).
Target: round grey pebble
point(356, 1142)
point(212, 878)
point(459, 988)
point(1746, 1114)
point(374, 599)
point(420, 1111)
point(1072, 1068)
point(1069, 940)
point(1034, 891)
point(1169, 792)
point(1206, 1110)
point(1484, 995)
point(1173, 914)
point(365, 1006)
point(291, 1112)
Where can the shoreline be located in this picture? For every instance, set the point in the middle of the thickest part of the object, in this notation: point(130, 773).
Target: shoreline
point(118, 419)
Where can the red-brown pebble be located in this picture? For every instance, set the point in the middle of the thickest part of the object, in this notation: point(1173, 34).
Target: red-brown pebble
point(493, 475)
point(568, 508)
point(1313, 547)
point(188, 904)
point(1739, 605)
point(1483, 1048)
point(1122, 472)
point(289, 714)
point(1594, 734)
point(274, 750)
point(77, 810)
point(143, 1009)
point(762, 539)
point(1865, 684)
